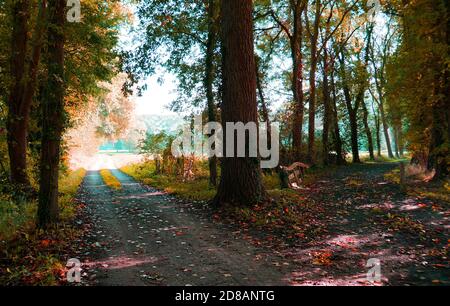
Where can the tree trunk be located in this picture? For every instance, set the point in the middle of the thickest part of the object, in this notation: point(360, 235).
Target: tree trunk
point(353, 115)
point(396, 142)
point(335, 120)
point(17, 122)
point(23, 89)
point(312, 83)
point(385, 128)
point(367, 130)
point(326, 106)
point(377, 129)
point(209, 79)
point(241, 182)
point(53, 117)
point(297, 78)
point(262, 100)
point(440, 126)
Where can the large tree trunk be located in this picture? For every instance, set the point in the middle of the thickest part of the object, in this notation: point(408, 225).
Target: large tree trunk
point(440, 126)
point(53, 117)
point(17, 121)
point(209, 79)
point(23, 89)
point(241, 182)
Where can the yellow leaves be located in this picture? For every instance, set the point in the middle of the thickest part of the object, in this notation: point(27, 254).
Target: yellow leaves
point(110, 180)
point(322, 258)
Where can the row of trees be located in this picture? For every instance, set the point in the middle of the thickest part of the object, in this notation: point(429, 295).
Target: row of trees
point(373, 75)
point(51, 69)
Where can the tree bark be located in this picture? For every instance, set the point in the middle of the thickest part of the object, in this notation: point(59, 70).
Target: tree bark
point(312, 84)
point(241, 183)
point(53, 117)
point(335, 120)
point(16, 121)
point(327, 110)
point(368, 131)
point(24, 87)
point(209, 79)
point(296, 42)
point(262, 100)
point(377, 129)
point(352, 111)
point(385, 126)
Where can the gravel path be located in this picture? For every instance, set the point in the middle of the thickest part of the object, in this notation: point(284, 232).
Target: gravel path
point(141, 236)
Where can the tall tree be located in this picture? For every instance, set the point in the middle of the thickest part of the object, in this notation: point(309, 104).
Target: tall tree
point(379, 55)
point(352, 107)
point(295, 38)
point(53, 117)
point(241, 182)
point(211, 42)
point(24, 78)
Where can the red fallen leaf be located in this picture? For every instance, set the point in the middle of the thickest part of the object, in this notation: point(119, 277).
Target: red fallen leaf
point(216, 217)
point(45, 243)
point(440, 266)
point(286, 210)
point(179, 233)
point(422, 205)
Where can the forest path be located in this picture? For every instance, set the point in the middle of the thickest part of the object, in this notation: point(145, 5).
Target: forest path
point(366, 218)
point(141, 236)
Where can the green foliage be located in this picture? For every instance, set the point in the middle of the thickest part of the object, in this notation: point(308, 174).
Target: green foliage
point(173, 36)
point(155, 143)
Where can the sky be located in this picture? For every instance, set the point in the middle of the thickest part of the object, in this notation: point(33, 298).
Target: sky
point(156, 99)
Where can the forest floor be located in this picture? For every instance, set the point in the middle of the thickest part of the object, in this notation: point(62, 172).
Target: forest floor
point(138, 235)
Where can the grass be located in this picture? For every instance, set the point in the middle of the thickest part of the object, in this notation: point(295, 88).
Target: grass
point(33, 257)
point(197, 189)
point(110, 180)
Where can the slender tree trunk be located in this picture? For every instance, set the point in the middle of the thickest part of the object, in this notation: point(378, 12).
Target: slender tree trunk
point(312, 84)
point(335, 120)
point(377, 129)
point(396, 142)
point(241, 182)
point(326, 106)
point(368, 131)
point(312, 110)
point(297, 78)
point(364, 106)
point(209, 79)
point(385, 127)
point(352, 111)
point(262, 100)
point(53, 117)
